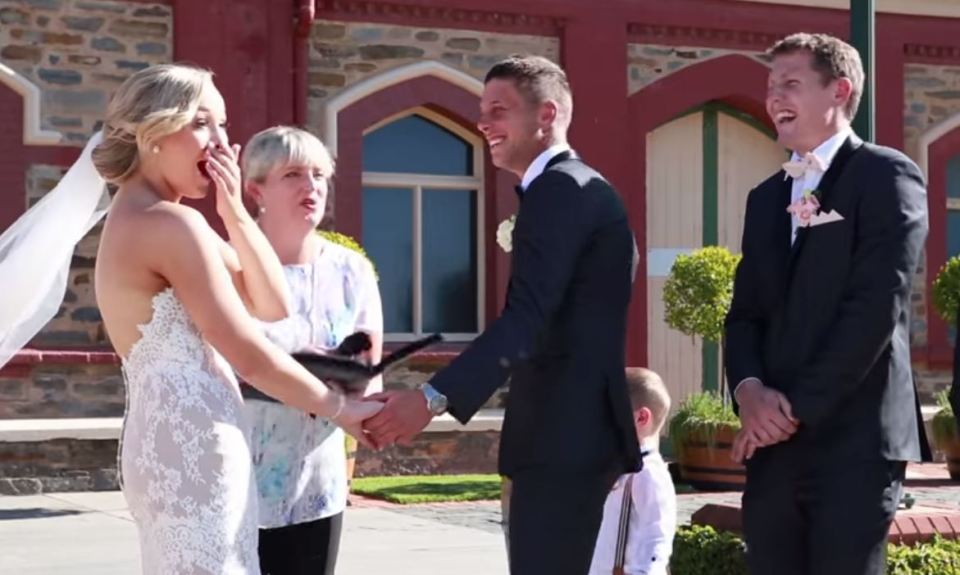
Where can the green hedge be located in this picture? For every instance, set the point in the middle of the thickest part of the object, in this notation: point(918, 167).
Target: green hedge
point(699, 550)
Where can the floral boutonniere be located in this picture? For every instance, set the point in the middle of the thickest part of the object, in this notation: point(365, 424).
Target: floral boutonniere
point(806, 207)
point(505, 233)
point(808, 212)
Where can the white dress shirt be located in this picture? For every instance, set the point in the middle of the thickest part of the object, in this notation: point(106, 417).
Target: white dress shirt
point(539, 163)
point(811, 179)
point(653, 521)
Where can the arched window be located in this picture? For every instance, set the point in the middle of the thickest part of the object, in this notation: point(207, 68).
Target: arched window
point(939, 158)
point(953, 220)
point(422, 222)
point(953, 206)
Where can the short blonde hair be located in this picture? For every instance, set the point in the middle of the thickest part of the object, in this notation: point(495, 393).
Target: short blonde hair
point(152, 103)
point(646, 389)
point(282, 145)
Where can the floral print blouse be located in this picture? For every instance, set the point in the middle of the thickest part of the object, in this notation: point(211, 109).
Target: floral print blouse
point(299, 460)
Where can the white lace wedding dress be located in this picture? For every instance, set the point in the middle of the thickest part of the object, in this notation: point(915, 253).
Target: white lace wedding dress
point(186, 471)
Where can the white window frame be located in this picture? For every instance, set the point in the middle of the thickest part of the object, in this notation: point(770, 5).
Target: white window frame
point(420, 182)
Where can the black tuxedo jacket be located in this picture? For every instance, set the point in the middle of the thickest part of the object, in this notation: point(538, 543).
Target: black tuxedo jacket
point(561, 335)
point(827, 320)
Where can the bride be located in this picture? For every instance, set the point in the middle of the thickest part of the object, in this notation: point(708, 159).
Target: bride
point(179, 305)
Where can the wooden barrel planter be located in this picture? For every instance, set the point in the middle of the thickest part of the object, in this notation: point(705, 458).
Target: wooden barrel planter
point(705, 461)
point(946, 438)
point(951, 451)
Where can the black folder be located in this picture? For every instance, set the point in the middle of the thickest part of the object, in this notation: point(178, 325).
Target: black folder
point(350, 373)
point(339, 370)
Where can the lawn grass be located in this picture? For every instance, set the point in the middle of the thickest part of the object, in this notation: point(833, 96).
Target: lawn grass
point(407, 489)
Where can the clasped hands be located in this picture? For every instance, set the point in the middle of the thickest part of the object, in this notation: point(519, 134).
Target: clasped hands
point(404, 413)
point(766, 419)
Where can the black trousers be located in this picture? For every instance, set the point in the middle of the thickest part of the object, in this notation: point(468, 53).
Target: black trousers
point(819, 518)
point(554, 520)
point(303, 549)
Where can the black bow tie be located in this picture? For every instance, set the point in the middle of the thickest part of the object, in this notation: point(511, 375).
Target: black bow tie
point(519, 189)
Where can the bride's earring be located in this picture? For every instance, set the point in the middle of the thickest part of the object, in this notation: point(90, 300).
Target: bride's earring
point(155, 149)
point(263, 209)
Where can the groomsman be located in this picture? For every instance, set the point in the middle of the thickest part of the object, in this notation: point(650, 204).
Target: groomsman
point(817, 338)
point(568, 430)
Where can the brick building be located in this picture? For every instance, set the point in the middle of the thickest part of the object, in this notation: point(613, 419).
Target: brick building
point(669, 105)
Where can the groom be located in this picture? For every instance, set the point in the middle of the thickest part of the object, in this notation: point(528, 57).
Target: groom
point(568, 431)
point(817, 337)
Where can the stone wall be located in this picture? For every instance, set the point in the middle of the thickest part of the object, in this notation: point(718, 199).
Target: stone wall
point(434, 453)
point(78, 323)
point(78, 51)
point(931, 96)
point(90, 385)
point(647, 63)
point(343, 54)
point(58, 465)
point(417, 371)
point(58, 389)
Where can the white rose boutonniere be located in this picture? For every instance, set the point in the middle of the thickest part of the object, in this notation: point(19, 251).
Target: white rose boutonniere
point(505, 233)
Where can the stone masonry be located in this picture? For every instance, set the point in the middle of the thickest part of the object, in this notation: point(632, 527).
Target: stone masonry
point(647, 63)
point(931, 96)
point(53, 390)
point(343, 54)
point(78, 51)
point(78, 323)
point(434, 453)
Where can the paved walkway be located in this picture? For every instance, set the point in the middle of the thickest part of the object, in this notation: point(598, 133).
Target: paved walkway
point(92, 533)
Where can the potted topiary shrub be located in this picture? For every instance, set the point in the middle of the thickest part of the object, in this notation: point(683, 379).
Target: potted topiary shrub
point(702, 432)
point(697, 297)
point(350, 444)
point(946, 290)
point(946, 300)
point(946, 437)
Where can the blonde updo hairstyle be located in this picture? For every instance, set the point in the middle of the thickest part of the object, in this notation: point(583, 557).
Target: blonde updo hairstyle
point(152, 103)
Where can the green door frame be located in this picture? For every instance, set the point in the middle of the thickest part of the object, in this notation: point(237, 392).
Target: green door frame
point(710, 351)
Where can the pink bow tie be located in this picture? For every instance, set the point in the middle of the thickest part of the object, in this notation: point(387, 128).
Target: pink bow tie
point(797, 168)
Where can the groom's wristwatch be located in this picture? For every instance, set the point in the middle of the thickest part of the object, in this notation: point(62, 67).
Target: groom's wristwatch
point(436, 401)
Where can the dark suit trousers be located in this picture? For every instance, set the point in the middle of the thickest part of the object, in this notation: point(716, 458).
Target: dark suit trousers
point(554, 520)
point(805, 516)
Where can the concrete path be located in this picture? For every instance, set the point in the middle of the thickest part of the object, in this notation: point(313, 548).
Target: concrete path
point(93, 534)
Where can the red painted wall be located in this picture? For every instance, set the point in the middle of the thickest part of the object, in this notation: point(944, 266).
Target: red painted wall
point(248, 44)
point(12, 166)
point(939, 351)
